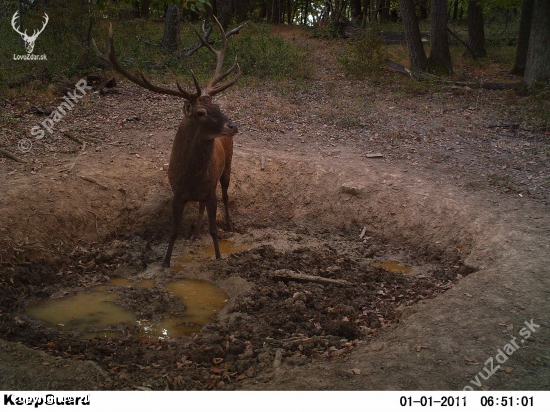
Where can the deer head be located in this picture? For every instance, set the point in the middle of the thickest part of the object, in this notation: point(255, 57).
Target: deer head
point(29, 40)
point(198, 106)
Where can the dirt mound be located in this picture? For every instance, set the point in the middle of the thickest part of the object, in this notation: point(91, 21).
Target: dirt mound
point(149, 303)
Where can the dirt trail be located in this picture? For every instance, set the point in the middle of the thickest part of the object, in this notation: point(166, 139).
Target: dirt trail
point(466, 206)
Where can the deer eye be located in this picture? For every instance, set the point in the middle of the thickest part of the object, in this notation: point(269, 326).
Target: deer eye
point(201, 113)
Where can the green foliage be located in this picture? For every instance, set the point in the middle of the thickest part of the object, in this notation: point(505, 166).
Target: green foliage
point(263, 55)
point(329, 32)
point(364, 56)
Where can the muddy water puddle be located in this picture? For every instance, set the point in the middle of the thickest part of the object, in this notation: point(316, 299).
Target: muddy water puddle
point(393, 266)
point(226, 248)
point(95, 314)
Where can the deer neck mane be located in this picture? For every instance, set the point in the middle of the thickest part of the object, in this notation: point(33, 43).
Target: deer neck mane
point(191, 150)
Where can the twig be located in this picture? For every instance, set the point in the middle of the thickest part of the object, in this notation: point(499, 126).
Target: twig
point(262, 163)
point(510, 125)
point(426, 76)
point(287, 274)
point(96, 228)
point(92, 180)
point(456, 36)
point(75, 160)
point(11, 156)
point(73, 137)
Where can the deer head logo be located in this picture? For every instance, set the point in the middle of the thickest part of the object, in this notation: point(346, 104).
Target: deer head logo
point(29, 40)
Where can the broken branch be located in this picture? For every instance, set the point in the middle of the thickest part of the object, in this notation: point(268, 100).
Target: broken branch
point(287, 274)
point(11, 156)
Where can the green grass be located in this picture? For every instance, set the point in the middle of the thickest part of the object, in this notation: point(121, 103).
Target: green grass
point(66, 43)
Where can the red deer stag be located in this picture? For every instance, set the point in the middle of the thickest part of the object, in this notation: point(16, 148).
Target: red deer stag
point(203, 146)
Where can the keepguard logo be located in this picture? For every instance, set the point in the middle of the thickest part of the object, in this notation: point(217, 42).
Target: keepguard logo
point(29, 40)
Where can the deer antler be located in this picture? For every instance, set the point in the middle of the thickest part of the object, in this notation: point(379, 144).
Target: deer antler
point(210, 88)
point(142, 81)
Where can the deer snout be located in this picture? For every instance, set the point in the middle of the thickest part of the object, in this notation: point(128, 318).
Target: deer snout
point(231, 128)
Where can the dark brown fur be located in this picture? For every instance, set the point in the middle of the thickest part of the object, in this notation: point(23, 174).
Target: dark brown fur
point(201, 156)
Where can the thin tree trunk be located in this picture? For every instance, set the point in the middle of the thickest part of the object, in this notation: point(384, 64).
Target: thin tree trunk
point(523, 37)
point(476, 31)
point(145, 9)
point(171, 27)
point(455, 9)
point(21, 28)
point(537, 67)
point(417, 55)
point(225, 12)
point(440, 55)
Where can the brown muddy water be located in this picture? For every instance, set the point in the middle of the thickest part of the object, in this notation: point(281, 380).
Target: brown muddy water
point(95, 313)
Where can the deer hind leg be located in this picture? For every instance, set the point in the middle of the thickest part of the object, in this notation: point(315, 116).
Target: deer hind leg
point(224, 181)
point(197, 231)
point(177, 212)
point(211, 208)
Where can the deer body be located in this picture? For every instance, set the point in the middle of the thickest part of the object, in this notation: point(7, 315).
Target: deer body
point(201, 156)
point(203, 146)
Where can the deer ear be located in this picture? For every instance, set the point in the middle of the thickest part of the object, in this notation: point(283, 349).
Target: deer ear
point(187, 108)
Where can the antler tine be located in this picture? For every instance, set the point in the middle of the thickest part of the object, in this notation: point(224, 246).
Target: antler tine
point(218, 79)
point(142, 81)
point(221, 88)
point(198, 93)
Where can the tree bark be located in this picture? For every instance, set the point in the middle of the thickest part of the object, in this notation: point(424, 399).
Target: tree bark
point(145, 9)
point(417, 55)
point(523, 37)
point(439, 61)
point(225, 12)
point(171, 27)
point(455, 9)
point(476, 31)
point(423, 12)
point(537, 67)
point(384, 10)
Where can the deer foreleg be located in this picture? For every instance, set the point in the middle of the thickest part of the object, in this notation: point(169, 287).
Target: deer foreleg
point(224, 181)
point(177, 213)
point(211, 208)
point(197, 233)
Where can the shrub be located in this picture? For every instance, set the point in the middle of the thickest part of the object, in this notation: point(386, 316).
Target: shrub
point(364, 56)
point(262, 55)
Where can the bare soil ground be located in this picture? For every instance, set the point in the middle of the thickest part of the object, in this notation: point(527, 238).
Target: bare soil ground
point(466, 206)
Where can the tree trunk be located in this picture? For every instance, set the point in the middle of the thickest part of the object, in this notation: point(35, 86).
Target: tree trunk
point(455, 9)
point(171, 26)
point(537, 67)
point(423, 12)
point(356, 9)
point(21, 29)
point(225, 12)
point(145, 9)
point(476, 31)
point(241, 10)
point(417, 55)
point(384, 10)
point(523, 37)
point(439, 61)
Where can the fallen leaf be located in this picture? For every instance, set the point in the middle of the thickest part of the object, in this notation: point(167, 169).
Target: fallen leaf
point(50, 345)
point(508, 369)
point(214, 369)
point(356, 371)
point(485, 388)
